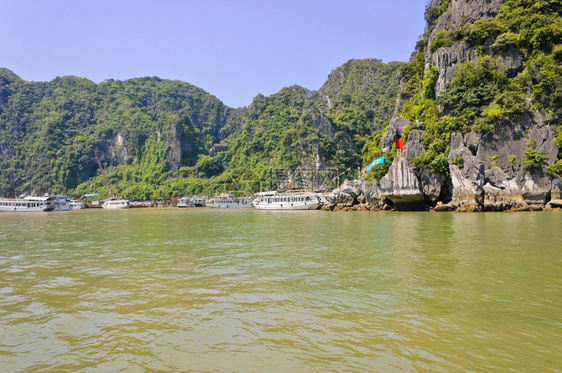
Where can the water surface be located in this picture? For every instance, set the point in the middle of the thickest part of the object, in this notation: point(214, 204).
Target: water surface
point(200, 290)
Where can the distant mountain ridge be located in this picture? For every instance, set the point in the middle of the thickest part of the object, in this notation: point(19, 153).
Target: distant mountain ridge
point(155, 136)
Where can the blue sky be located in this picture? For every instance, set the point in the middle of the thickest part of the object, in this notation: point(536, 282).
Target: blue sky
point(234, 50)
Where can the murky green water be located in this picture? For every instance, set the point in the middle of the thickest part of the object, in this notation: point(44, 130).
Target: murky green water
point(169, 290)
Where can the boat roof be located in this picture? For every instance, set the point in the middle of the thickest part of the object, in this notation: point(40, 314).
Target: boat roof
point(270, 193)
point(43, 198)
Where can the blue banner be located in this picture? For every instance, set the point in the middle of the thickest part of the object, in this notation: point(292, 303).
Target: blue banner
point(379, 160)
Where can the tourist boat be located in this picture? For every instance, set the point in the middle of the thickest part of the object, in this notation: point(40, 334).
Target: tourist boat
point(184, 202)
point(274, 200)
point(192, 202)
point(62, 203)
point(200, 201)
point(77, 205)
point(116, 203)
point(27, 204)
point(230, 201)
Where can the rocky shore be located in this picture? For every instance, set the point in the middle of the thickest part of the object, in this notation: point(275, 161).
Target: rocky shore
point(486, 173)
point(365, 195)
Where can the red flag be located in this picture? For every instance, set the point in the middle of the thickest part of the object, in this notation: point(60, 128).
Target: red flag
point(399, 144)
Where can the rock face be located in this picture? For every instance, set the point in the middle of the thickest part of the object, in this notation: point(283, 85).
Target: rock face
point(176, 144)
point(393, 131)
point(402, 187)
point(113, 150)
point(467, 177)
point(216, 149)
point(447, 59)
point(486, 171)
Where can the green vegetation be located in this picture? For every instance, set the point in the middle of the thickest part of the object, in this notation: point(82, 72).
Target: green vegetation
point(459, 161)
point(49, 131)
point(482, 94)
point(493, 160)
point(432, 13)
point(153, 136)
point(372, 150)
point(532, 157)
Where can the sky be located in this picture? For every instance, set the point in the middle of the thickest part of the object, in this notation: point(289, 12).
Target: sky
point(233, 49)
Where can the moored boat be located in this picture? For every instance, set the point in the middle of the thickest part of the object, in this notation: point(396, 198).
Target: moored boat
point(184, 202)
point(62, 203)
point(286, 201)
point(77, 205)
point(27, 204)
point(200, 201)
point(116, 203)
point(230, 201)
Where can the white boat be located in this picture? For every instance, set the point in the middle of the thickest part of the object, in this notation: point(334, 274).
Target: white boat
point(230, 201)
point(184, 202)
point(200, 201)
point(27, 204)
point(62, 203)
point(286, 201)
point(77, 205)
point(192, 202)
point(116, 203)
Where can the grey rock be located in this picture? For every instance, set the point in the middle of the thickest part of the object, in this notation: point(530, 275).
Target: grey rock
point(468, 181)
point(507, 144)
point(557, 203)
point(174, 151)
point(447, 59)
point(501, 192)
point(176, 142)
point(535, 186)
point(401, 186)
point(323, 124)
point(542, 133)
point(431, 183)
point(413, 146)
point(393, 131)
point(440, 206)
point(344, 199)
point(371, 191)
point(512, 62)
point(113, 150)
point(351, 188)
point(556, 190)
point(216, 149)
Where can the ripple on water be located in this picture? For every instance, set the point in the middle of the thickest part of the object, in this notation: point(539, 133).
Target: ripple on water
point(160, 290)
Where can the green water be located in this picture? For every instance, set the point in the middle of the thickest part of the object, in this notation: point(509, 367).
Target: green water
point(199, 290)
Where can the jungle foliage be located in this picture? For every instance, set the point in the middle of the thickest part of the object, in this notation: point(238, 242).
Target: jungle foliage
point(50, 132)
point(482, 93)
point(53, 133)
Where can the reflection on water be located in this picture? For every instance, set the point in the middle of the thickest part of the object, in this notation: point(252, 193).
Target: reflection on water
point(202, 290)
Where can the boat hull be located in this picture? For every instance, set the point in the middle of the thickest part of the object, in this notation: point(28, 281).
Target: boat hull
point(116, 204)
point(287, 206)
point(286, 201)
point(27, 205)
point(77, 205)
point(26, 209)
point(241, 204)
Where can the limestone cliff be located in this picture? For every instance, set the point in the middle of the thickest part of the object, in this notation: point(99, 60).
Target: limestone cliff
point(486, 146)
